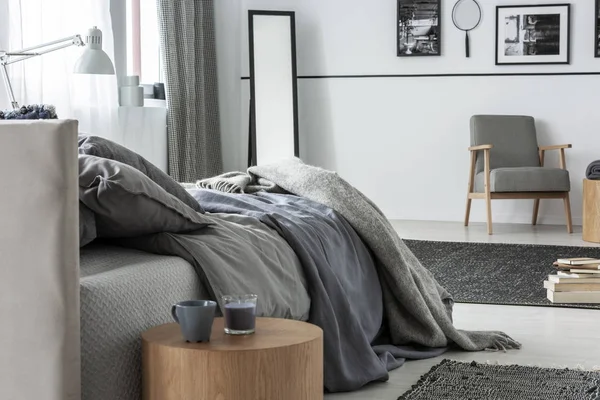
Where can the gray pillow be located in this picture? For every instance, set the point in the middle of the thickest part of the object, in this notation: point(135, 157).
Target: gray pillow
point(127, 203)
point(87, 225)
point(100, 147)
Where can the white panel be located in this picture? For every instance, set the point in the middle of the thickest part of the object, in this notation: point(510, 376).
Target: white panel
point(274, 95)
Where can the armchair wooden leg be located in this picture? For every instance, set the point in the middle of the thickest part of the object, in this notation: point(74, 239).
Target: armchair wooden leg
point(567, 202)
point(468, 212)
point(536, 207)
point(488, 205)
point(470, 188)
point(488, 195)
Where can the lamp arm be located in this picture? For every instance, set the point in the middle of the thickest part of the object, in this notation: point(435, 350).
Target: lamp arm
point(12, 57)
point(75, 41)
point(25, 55)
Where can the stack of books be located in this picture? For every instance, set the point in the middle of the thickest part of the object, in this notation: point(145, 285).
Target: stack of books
point(577, 280)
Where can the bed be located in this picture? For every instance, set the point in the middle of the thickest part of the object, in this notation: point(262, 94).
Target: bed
point(98, 244)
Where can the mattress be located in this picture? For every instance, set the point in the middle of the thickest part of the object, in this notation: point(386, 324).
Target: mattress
point(123, 293)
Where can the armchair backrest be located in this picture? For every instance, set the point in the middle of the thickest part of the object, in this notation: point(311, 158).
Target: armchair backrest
point(513, 137)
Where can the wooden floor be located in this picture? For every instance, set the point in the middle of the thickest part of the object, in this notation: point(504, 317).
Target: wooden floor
point(550, 336)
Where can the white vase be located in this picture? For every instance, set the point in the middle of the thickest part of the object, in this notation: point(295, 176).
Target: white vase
point(131, 94)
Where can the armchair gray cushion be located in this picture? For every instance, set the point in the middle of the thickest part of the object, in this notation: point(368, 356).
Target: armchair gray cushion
point(513, 137)
point(525, 179)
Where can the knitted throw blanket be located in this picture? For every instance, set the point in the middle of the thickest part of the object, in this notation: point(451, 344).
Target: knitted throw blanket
point(417, 308)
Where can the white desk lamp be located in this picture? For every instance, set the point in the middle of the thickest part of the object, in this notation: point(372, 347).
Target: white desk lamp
point(93, 60)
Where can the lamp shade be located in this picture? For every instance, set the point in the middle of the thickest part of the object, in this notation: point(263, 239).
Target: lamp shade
point(94, 60)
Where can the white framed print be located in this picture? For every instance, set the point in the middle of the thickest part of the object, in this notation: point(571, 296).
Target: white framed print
point(533, 34)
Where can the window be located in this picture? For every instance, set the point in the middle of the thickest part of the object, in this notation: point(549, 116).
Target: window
point(143, 42)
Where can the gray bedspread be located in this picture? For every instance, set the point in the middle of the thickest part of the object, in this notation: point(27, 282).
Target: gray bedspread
point(593, 170)
point(123, 293)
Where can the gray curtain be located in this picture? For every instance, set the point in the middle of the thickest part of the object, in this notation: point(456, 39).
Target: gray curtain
point(187, 40)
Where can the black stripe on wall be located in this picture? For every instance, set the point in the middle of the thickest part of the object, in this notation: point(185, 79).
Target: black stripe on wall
point(443, 75)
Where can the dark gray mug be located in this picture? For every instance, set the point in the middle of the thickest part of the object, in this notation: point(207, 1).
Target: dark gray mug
point(195, 317)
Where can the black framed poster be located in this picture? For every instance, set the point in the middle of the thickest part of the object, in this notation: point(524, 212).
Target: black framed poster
point(597, 30)
point(418, 28)
point(533, 34)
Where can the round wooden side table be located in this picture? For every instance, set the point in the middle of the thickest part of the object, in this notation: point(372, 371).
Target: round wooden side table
point(591, 211)
point(282, 360)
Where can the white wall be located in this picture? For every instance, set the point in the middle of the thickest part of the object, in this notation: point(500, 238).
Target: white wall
point(403, 141)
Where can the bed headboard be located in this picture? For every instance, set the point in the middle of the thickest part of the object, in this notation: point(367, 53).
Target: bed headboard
point(39, 258)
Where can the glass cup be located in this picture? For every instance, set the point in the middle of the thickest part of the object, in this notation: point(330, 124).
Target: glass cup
point(239, 312)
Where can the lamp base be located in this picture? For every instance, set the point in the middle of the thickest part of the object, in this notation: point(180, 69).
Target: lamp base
point(33, 111)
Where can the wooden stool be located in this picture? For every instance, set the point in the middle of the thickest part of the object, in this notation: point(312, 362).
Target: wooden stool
point(591, 211)
point(282, 360)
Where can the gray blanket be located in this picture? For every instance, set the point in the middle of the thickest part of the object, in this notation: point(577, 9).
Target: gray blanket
point(237, 182)
point(593, 170)
point(418, 310)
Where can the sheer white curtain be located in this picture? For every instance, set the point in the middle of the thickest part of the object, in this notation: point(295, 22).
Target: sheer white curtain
point(48, 79)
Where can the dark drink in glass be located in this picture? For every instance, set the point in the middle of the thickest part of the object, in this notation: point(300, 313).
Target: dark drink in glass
point(239, 312)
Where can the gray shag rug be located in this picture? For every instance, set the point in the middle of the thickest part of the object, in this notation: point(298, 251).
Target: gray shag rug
point(454, 380)
point(491, 273)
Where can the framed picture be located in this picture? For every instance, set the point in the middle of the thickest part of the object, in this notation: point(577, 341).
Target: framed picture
point(597, 29)
point(537, 34)
point(418, 28)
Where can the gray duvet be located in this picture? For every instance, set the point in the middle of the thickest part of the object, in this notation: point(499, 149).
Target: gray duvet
point(239, 254)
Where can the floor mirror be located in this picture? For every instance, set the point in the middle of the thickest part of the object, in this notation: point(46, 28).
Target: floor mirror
point(273, 130)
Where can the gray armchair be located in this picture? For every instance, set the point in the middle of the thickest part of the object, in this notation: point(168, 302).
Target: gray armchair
point(507, 163)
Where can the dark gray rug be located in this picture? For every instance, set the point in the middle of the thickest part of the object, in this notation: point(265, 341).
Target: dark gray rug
point(488, 273)
point(454, 380)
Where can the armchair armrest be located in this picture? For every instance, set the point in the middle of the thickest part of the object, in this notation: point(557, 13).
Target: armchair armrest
point(481, 147)
point(555, 147)
point(561, 147)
